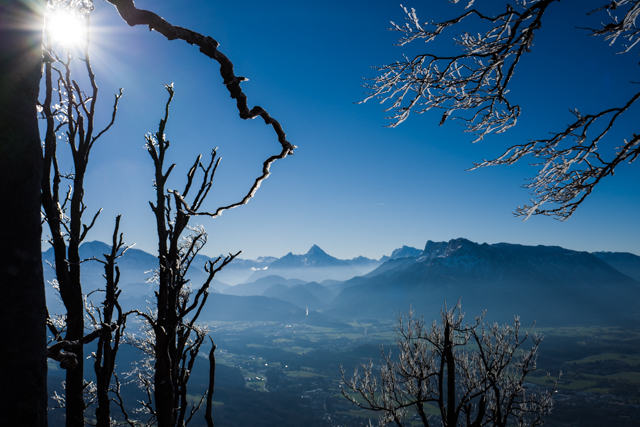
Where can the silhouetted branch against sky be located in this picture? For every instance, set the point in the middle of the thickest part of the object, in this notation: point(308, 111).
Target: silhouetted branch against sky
point(209, 47)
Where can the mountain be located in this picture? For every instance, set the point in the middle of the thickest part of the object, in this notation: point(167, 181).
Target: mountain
point(242, 302)
point(315, 257)
point(311, 295)
point(545, 283)
point(624, 262)
point(549, 284)
point(403, 252)
point(259, 286)
point(231, 308)
point(406, 252)
point(237, 271)
point(364, 264)
point(316, 265)
point(136, 268)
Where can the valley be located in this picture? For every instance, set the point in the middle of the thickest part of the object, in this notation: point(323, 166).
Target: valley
point(281, 340)
point(271, 374)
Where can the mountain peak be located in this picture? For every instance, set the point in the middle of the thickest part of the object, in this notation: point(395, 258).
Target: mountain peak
point(405, 252)
point(433, 250)
point(315, 250)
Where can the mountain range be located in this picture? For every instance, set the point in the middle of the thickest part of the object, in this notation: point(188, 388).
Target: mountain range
point(544, 283)
point(548, 284)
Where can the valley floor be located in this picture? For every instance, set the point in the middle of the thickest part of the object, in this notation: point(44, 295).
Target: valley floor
point(273, 374)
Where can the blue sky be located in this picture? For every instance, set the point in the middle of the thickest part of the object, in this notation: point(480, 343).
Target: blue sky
point(354, 187)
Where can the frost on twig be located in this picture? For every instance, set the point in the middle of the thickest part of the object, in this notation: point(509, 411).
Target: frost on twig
point(476, 79)
point(571, 162)
point(472, 85)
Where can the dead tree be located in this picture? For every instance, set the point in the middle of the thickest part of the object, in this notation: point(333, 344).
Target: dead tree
point(22, 184)
point(70, 114)
point(173, 337)
point(473, 374)
point(110, 320)
point(472, 85)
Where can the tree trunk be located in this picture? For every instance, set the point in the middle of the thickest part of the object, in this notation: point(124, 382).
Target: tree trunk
point(23, 354)
point(74, 389)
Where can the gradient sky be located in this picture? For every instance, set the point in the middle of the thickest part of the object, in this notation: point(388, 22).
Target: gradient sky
point(354, 187)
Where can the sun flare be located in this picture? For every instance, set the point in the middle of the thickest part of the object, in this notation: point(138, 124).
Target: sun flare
point(67, 29)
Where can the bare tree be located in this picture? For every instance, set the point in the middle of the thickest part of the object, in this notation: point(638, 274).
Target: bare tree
point(112, 330)
point(472, 85)
point(70, 115)
point(173, 339)
point(472, 374)
point(22, 297)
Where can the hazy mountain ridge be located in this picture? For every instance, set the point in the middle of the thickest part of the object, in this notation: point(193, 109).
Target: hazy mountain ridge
point(546, 283)
point(315, 265)
point(259, 286)
point(312, 295)
point(538, 282)
point(624, 262)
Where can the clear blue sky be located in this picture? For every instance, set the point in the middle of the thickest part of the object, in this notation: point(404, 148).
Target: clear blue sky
point(353, 187)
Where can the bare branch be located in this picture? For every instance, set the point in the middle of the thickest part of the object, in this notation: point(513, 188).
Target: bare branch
point(472, 86)
point(209, 47)
point(65, 351)
point(571, 162)
point(475, 79)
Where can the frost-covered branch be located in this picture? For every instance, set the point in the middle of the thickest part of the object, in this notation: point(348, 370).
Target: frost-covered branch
point(475, 79)
point(624, 27)
point(472, 85)
point(571, 162)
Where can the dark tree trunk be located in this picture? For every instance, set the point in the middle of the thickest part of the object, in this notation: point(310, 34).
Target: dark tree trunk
point(23, 360)
point(450, 362)
point(74, 304)
point(74, 389)
point(109, 343)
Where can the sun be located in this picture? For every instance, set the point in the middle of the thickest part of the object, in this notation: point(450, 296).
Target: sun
point(68, 29)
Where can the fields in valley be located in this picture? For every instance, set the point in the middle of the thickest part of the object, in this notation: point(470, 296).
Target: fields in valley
point(273, 374)
point(600, 367)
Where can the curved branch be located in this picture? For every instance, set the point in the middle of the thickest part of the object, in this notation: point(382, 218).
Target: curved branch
point(208, 46)
point(252, 191)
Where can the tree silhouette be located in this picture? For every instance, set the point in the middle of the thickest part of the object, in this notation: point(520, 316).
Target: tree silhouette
point(23, 356)
point(22, 297)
